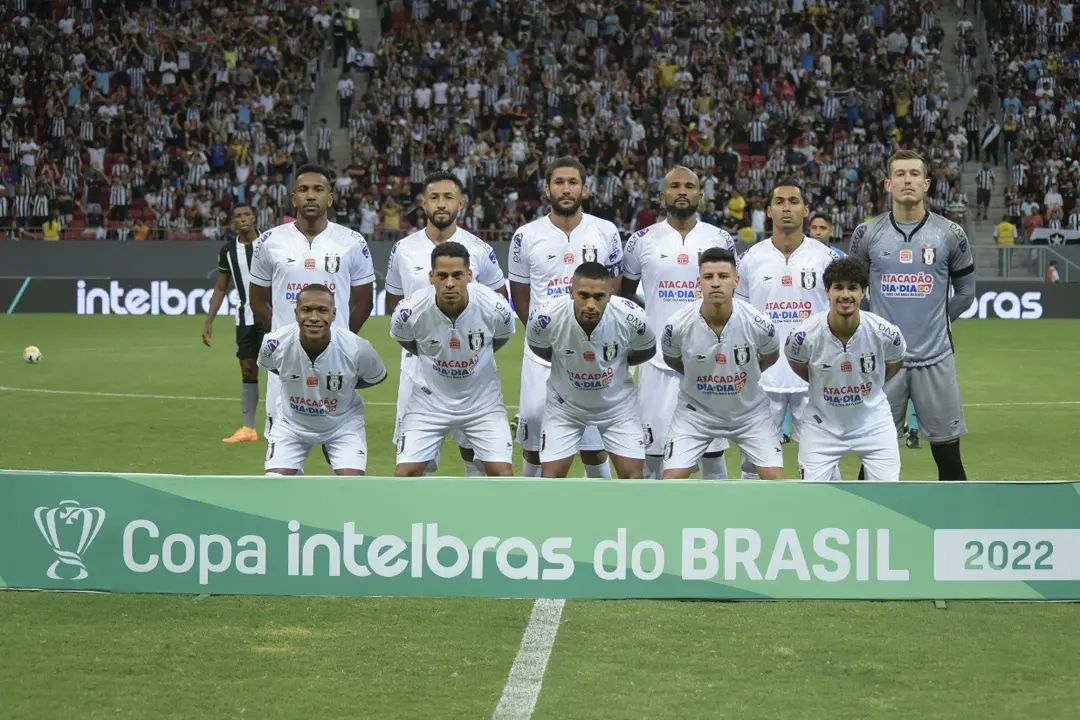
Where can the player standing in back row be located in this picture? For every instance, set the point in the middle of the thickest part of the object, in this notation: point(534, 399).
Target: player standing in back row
point(543, 257)
point(782, 277)
point(664, 258)
point(914, 257)
point(310, 250)
point(409, 271)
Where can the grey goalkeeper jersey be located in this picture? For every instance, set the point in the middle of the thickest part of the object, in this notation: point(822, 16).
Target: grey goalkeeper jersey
point(910, 275)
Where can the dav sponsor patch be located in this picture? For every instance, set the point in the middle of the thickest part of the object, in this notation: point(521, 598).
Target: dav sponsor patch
point(907, 285)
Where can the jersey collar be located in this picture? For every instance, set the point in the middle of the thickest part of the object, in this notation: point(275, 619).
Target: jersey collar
point(908, 238)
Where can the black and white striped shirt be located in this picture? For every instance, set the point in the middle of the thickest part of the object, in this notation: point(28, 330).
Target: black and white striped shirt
point(757, 131)
point(41, 205)
point(324, 135)
point(985, 180)
point(235, 261)
point(119, 195)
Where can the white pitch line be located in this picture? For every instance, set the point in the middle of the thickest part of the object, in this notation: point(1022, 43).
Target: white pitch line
point(1013, 404)
point(527, 673)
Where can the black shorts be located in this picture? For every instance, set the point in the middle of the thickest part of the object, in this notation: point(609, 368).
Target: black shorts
point(248, 341)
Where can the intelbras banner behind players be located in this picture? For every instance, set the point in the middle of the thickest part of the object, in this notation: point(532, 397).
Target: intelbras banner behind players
point(108, 296)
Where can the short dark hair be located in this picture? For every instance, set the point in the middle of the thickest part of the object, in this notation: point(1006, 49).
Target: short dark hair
point(443, 176)
point(591, 271)
point(821, 216)
point(715, 255)
point(787, 182)
point(847, 269)
point(241, 206)
point(907, 155)
point(314, 287)
point(317, 169)
point(566, 161)
point(450, 250)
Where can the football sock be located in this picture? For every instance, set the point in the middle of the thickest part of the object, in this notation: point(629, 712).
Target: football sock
point(654, 466)
point(249, 400)
point(598, 471)
point(475, 468)
point(529, 470)
point(749, 470)
point(947, 457)
point(714, 466)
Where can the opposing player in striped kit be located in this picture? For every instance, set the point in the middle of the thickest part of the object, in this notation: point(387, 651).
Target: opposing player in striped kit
point(408, 271)
point(664, 259)
point(846, 356)
point(234, 267)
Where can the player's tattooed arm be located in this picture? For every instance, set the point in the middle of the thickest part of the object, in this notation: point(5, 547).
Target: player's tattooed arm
point(767, 360)
point(799, 368)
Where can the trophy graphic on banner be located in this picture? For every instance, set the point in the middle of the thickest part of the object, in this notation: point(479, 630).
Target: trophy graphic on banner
point(69, 529)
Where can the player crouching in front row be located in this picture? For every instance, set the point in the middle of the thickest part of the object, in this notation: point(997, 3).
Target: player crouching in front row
point(720, 345)
point(320, 368)
point(847, 355)
point(591, 341)
point(454, 328)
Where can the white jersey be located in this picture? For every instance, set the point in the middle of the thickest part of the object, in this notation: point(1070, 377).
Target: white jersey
point(286, 262)
point(847, 382)
point(318, 396)
point(455, 368)
point(721, 374)
point(410, 262)
point(788, 290)
point(666, 263)
point(590, 376)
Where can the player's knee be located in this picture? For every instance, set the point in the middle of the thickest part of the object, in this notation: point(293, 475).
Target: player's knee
point(409, 470)
point(594, 457)
point(499, 469)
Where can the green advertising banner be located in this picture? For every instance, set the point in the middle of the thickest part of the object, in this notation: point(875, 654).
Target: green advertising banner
point(539, 538)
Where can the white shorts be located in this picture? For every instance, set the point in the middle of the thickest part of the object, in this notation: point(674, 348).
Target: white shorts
point(692, 431)
point(409, 364)
point(658, 390)
point(421, 435)
point(345, 449)
point(534, 377)
point(820, 451)
point(779, 402)
point(562, 435)
point(273, 392)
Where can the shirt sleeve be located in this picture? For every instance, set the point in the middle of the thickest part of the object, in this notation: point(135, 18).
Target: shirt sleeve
point(262, 264)
point(370, 367)
point(505, 327)
point(860, 244)
point(796, 349)
point(631, 263)
point(393, 272)
point(670, 342)
point(362, 271)
point(895, 345)
point(518, 265)
point(765, 335)
point(615, 252)
point(539, 332)
point(742, 290)
point(961, 260)
point(489, 273)
point(223, 260)
point(643, 337)
point(400, 327)
point(270, 353)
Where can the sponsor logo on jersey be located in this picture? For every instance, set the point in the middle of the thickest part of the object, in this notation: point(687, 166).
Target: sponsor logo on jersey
point(559, 286)
point(270, 346)
point(332, 262)
point(846, 395)
point(541, 322)
point(909, 285)
point(808, 278)
point(683, 259)
point(798, 337)
point(568, 258)
point(906, 256)
point(333, 381)
point(788, 311)
point(455, 368)
point(591, 380)
point(312, 381)
point(476, 339)
point(721, 358)
point(728, 384)
point(867, 363)
point(589, 356)
point(929, 254)
point(765, 325)
point(786, 281)
point(312, 406)
point(678, 290)
point(845, 366)
point(309, 263)
point(292, 290)
point(455, 343)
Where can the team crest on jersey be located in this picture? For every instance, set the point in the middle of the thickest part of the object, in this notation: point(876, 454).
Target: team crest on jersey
point(929, 254)
point(867, 363)
point(610, 351)
point(647, 434)
point(476, 339)
point(333, 381)
point(588, 254)
point(808, 279)
point(332, 262)
point(742, 354)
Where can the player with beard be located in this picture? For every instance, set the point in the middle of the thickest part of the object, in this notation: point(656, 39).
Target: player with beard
point(409, 269)
point(543, 257)
point(664, 259)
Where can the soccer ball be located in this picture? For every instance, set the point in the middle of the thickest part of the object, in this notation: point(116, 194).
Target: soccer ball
point(32, 354)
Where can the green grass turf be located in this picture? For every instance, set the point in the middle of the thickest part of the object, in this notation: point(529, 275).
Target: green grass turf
point(154, 656)
point(1005, 369)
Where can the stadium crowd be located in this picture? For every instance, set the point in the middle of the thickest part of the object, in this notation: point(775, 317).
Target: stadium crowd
point(143, 116)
